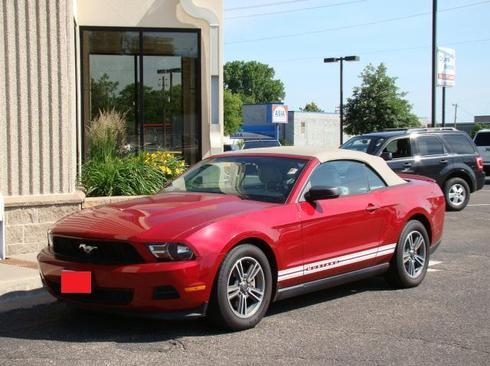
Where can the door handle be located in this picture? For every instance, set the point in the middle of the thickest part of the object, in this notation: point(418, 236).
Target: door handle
point(371, 207)
point(408, 165)
point(443, 161)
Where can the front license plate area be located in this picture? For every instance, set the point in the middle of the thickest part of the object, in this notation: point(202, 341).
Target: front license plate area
point(76, 282)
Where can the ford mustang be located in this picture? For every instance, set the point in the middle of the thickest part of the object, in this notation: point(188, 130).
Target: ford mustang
point(242, 229)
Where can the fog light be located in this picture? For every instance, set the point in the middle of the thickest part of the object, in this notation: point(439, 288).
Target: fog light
point(171, 251)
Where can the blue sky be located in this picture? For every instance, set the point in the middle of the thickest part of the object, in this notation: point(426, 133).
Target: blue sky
point(403, 45)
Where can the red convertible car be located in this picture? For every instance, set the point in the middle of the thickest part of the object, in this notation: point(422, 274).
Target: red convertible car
point(242, 229)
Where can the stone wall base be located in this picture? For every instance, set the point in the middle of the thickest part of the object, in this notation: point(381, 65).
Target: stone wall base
point(28, 218)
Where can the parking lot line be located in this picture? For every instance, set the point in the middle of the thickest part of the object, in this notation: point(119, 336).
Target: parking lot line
point(479, 204)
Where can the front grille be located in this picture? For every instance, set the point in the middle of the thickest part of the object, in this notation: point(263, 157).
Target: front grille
point(102, 296)
point(95, 251)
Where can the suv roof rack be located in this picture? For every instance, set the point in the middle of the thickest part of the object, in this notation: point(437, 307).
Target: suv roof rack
point(422, 129)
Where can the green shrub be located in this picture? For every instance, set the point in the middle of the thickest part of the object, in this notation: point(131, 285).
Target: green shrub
point(106, 134)
point(121, 176)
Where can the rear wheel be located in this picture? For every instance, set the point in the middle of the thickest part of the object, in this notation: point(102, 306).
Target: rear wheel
point(411, 259)
point(457, 194)
point(243, 288)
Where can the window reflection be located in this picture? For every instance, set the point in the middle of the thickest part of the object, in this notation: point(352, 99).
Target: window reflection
point(159, 99)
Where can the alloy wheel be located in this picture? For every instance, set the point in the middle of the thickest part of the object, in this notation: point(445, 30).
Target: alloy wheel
point(414, 254)
point(246, 287)
point(457, 194)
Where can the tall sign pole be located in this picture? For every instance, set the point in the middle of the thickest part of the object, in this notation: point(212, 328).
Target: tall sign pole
point(434, 62)
point(443, 118)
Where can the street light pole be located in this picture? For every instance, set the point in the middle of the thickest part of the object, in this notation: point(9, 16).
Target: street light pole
point(341, 60)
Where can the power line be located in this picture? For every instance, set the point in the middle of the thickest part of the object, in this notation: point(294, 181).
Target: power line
point(296, 10)
point(264, 5)
point(381, 51)
point(381, 21)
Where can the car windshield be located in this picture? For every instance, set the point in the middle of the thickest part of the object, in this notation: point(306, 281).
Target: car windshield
point(367, 144)
point(259, 178)
point(262, 143)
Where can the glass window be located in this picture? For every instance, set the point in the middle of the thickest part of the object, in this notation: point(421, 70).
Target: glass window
point(151, 78)
point(399, 148)
point(429, 145)
point(375, 181)
point(482, 139)
point(460, 144)
point(262, 143)
point(268, 179)
point(367, 144)
point(349, 176)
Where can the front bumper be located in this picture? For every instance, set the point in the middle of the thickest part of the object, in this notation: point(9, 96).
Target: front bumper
point(176, 289)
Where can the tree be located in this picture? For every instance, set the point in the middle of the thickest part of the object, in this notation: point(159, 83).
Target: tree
point(253, 81)
point(232, 112)
point(102, 94)
point(311, 107)
point(377, 104)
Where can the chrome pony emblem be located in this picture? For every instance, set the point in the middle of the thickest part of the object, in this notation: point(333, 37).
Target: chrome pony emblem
point(87, 249)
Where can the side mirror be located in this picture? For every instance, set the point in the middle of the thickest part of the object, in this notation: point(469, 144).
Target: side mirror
point(317, 193)
point(387, 155)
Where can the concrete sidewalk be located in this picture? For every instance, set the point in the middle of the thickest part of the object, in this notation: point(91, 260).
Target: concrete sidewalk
point(20, 284)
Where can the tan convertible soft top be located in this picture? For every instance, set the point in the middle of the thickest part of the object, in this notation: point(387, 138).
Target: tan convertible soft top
point(323, 155)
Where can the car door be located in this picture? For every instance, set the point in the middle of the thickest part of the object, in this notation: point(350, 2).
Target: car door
point(431, 157)
point(340, 234)
point(402, 158)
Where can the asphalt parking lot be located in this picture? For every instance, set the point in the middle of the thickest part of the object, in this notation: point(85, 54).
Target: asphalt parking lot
point(445, 321)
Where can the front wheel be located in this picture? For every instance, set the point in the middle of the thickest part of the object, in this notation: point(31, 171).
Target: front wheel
point(411, 259)
point(457, 193)
point(243, 288)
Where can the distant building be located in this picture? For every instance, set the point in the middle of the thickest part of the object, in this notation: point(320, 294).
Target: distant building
point(482, 119)
point(263, 120)
point(312, 129)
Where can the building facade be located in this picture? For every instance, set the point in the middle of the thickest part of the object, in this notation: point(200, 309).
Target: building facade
point(159, 62)
point(312, 129)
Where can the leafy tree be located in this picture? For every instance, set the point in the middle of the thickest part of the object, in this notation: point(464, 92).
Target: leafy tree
point(232, 112)
point(477, 127)
point(103, 94)
point(254, 81)
point(377, 104)
point(311, 107)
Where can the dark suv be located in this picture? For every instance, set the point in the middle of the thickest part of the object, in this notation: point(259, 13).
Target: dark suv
point(446, 155)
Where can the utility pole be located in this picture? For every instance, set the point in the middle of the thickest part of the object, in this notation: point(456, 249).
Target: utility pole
point(434, 62)
point(455, 105)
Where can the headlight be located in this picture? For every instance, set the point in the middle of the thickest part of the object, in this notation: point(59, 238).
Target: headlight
point(50, 239)
point(171, 251)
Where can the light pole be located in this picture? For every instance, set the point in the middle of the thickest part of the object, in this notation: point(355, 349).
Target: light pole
point(341, 60)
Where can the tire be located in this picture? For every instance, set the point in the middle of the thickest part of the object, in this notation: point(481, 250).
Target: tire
point(457, 194)
point(401, 273)
point(231, 291)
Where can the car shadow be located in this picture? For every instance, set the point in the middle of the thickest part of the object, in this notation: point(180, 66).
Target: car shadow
point(58, 322)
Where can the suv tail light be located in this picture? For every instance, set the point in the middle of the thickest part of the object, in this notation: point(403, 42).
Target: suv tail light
point(479, 163)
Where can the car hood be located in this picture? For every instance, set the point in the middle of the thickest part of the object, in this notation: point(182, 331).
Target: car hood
point(160, 217)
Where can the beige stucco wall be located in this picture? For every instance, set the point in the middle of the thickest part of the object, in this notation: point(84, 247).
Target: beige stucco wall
point(37, 97)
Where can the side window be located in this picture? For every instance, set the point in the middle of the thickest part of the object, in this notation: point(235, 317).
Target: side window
point(482, 139)
point(399, 148)
point(459, 144)
point(349, 176)
point(429, 145)
point(374, 180)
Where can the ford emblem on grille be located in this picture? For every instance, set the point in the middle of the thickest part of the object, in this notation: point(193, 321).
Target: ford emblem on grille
point(87, 249)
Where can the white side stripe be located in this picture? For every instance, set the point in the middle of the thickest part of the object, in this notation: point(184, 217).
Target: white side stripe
point(335, 262)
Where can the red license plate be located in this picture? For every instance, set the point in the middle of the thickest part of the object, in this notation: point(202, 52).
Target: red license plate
point(76, 282)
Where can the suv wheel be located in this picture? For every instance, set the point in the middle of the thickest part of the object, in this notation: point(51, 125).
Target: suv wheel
point(243, 288)
point(457, 193)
